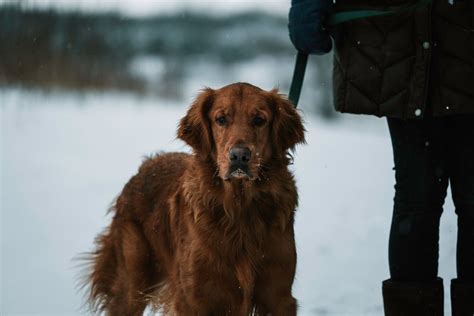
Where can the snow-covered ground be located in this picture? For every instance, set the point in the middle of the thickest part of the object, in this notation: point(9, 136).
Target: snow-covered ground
point(64, 157)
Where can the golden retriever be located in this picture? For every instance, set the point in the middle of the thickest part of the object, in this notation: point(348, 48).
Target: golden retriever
point(208, 233)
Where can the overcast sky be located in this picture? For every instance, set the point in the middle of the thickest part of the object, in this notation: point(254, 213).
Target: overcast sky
point(151, 7)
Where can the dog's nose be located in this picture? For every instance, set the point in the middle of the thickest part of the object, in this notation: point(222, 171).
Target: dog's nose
point(240, 155)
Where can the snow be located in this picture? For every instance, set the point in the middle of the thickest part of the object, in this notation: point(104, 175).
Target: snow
point(65, 156)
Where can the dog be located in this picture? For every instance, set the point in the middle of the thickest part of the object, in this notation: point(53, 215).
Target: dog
point(208, 233)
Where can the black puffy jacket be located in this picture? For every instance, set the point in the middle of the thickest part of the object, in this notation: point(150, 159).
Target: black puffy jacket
point(408, 65)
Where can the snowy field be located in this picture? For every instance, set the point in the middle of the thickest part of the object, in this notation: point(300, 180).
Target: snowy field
point(64, 157)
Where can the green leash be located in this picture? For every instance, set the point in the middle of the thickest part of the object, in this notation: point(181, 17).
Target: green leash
point(298, 77)
point(347, 16)
point(338, 18)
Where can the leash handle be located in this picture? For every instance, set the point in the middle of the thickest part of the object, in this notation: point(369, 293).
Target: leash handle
point(346, 16)
point(298, 77)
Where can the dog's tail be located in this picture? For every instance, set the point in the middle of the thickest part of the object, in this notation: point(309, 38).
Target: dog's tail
point(100, 269)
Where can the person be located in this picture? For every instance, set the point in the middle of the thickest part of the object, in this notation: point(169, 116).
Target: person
point(416, 68)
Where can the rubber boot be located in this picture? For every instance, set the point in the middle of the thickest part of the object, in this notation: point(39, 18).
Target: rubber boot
point(413, 298)
point(462, 298)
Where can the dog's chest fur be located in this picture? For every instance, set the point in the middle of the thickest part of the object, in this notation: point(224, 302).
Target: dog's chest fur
point(228, 231)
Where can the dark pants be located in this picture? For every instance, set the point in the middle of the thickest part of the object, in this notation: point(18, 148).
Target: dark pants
point(429, 154)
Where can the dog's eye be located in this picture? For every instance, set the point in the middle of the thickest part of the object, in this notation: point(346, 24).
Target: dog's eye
point(221, 120)
point(258, 121)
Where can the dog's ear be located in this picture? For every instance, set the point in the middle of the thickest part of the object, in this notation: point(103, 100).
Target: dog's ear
point(288, 129)
point(195, 128)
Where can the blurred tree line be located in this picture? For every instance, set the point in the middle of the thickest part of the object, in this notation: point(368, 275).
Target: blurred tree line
point(82, 50)
point(46, 47)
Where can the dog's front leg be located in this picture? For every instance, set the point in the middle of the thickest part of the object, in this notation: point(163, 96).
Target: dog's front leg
point(273, 287)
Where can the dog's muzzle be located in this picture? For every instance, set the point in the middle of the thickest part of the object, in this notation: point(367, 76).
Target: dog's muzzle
point(239, 163)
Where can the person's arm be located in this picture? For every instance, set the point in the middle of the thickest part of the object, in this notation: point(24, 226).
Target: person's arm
point(306, 25)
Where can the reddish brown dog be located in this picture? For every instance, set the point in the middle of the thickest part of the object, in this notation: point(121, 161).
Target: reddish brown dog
point(209, 233)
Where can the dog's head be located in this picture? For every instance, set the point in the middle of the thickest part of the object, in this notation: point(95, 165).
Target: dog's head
point(241, 128)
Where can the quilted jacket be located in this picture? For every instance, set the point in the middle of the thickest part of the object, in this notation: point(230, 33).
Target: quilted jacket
point(409, 65)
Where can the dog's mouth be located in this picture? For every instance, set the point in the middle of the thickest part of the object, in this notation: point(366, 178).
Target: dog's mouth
point(240, 173)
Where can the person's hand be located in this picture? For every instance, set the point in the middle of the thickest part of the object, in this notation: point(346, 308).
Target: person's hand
point(306, 25)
